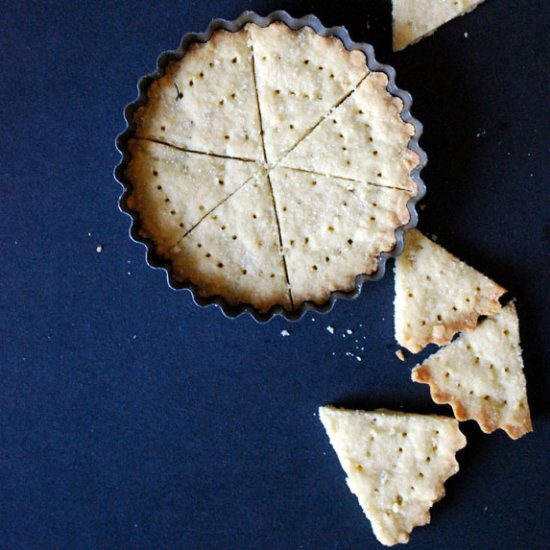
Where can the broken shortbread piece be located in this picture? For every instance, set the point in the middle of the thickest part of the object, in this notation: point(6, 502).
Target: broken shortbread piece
point(481, 376)
point(416, 19)
point(396, 464)
point(400, 354)
point(437, 295)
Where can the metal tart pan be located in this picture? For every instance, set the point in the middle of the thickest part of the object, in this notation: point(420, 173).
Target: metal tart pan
point(154, 261)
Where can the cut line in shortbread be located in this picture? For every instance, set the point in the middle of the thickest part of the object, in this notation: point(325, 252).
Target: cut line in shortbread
point(437, 295)
point(340, 178)
point(167, 143)
point(276, 208)
point(396, 464)
point(481, 376)
point(417, 19)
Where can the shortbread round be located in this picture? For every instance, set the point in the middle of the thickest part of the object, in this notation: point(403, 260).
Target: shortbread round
point(271, 167)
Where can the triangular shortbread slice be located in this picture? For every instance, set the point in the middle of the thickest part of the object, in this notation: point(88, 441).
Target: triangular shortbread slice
point(481, 376)
point(300, 77)
point(437, 295)
point(396, 464)
point(363, 139)
point(207, 101)
point(416, 19)
point(235, 251)
point(173, 190)
point(333, 229)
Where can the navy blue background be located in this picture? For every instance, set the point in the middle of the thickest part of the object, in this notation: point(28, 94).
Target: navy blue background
point(129, 417)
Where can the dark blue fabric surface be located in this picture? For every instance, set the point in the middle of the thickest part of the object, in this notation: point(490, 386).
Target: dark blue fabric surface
point(129, 418)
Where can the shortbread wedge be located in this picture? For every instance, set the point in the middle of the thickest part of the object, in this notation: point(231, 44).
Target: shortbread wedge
point(437, 295)
point(481, 376)
point(207, 101)
point(174, 190)
point(396, 464)
point(363, 139)
point(235, 251)
point(333, 229)
point(416, 19)
point(300, 76)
